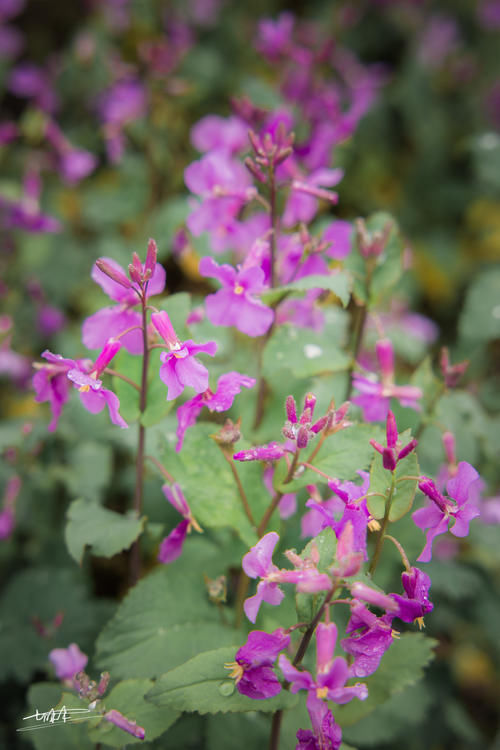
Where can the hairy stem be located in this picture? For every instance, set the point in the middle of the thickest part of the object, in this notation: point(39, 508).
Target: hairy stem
point(277, 497)
point(244, 499)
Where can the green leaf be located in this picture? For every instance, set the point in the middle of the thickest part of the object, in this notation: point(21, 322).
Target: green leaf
point(130, 366)
point(222, 729)
point(393, 718)
point(166, 618)
point(404, 491)
point(90, 469)
point(128, 698)
point(104, 530)
point(302, 352)
point(338, 283)
point(61, 735)
point(202, 684)
point(157, 406)
point(178, 307)
point(402, 665)
point(480, 319)
point(390, 264)
point(209, 486)
point(40, 594)
point(341, 456)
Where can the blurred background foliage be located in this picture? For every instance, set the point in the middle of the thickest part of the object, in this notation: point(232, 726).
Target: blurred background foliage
point(428, 151)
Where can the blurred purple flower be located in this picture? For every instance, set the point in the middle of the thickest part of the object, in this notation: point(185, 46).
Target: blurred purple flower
point(228, 386)
point(171, 546)
point(214, 132)
point(25, 213)
point(32, 82)
point(68, 662)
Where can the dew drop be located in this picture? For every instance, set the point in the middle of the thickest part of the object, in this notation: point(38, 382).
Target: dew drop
point(226, 688)
point(312, 351)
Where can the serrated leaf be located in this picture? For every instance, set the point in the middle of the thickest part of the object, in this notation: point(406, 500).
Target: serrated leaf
point(303, 352)
point(404, 491)
point(128, 698)
point(39, 595)
point(107, 532)
point(165, 619)
point(402, 665)
point(69, 735)
point(338, 283)
point(209, 486)
point(202, 685)
point(341, 457)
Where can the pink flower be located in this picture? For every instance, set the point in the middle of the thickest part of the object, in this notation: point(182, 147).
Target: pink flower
point(171, 546)
point(68, 662)
point(214, 132)
point(112, 321)
point(180, 368)
point(228, 386)
point(235, 304)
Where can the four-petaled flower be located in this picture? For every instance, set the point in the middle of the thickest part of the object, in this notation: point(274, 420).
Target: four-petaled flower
point(236, 304)
point(460, 507)
point(252, 668)
point(68, 662)
point(180, 368)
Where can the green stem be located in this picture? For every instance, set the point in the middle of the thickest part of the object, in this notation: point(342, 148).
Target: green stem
point(135, 556)
point(381, 536)
point(244, 499)
point(277, 497)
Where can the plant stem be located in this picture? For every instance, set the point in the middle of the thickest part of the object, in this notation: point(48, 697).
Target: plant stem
point(244, 499)
point(116, 374)
point(168, 476)
point(277, 497)
point(381, 536)
point(135, 556)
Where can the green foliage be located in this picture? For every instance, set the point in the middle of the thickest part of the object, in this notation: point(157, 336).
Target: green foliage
point(393, 718)
point(404, 489)
point(128, 698)
point(480, 319)
point(341, 456)
point(91, 465)
point(165, 619)
point(202, 685)
point(401, 666)
point(208, 484)
point(339, 283)
point(302, 352)
point(326, 543)
point(69, 735)
point(106, 532)
point(42, 593)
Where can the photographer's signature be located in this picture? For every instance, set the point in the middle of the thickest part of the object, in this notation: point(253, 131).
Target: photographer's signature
point(57, 716)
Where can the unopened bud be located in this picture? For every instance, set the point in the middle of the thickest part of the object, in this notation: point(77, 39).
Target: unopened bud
point(229, 433)
point(151, 256)
point(254, 169)
point(113, 273)
point(116, 718)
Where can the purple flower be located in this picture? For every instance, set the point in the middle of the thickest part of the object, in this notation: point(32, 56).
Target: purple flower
point(275, 37)
point(392, 453)
point(113, 321)
point(302, 203)
point(224, 186)
point(258, 564)
point(68, 662)
point(371, 638)
point(171, 546)
point(121, 721)
point(228, 386)
point(32, 82)
point(301, 429)
point(376, 396)
point(235, 304)
point(326, 734)
point(180, 368)
point(25, 213)
point(7, 515)
point(339, 237)
point(120, 105)
point(331, 672)
point(50, 383)
point(252, 668)
point(213, 132)
point(73, 163)
point(270, 452)
point(460, 506)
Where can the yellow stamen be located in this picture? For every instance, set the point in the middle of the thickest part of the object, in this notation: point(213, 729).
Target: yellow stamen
point(420, 622)
point(84, 388)
point(374, 525)
point(322, 692)
point(237, 670)
point(238, 289)
point(395, 634)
